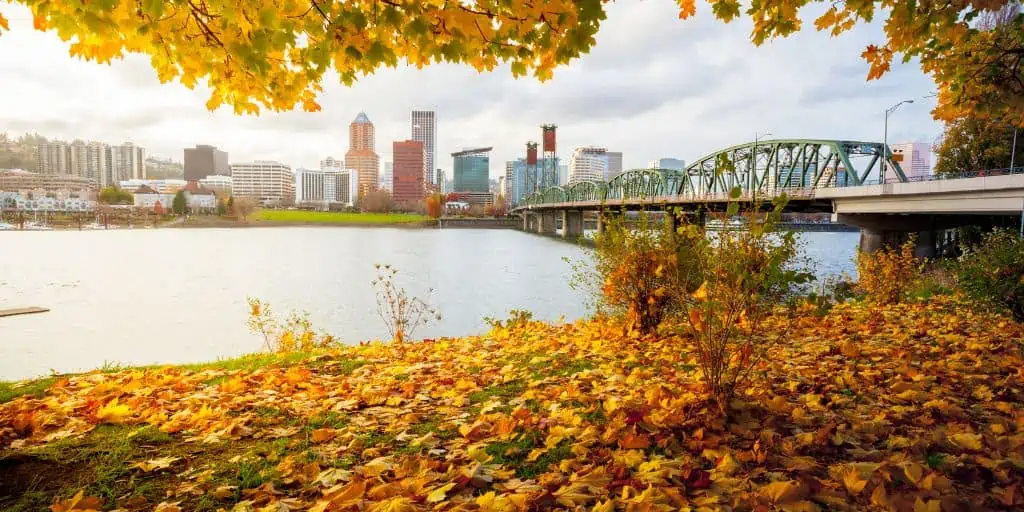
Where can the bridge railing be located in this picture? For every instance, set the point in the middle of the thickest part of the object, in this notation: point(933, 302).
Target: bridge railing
point(969, 174)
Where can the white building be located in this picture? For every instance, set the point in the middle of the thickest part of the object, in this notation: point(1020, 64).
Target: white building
point(327, 188)
point(331, 162)
point(268, 182)
point(667, 163)
point(201, 199)
point(915, 158)
point(169, 186)
point(220, 184)
point(424, 130)
point(587, 163)
point(146, 197)
point(48, 204)
point(614, 165)
point(387, 178)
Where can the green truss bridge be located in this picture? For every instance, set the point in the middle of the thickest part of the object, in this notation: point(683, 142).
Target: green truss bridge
point(836, 176)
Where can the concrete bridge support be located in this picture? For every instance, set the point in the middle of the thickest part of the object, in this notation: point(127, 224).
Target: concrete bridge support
point(546, 223)
point(925, 245)
point(572, 224)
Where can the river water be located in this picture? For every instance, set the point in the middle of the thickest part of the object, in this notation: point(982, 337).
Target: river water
point(179, 295)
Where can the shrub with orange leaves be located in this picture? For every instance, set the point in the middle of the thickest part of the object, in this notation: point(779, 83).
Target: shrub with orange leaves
point(744, 274)
point(887, 275)
point(637, 272)
point(433, 205)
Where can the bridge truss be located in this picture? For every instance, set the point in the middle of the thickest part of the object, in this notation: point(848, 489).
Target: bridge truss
point(760, 169)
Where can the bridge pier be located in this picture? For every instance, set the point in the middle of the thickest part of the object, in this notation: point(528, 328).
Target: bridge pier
point(872, 240)
point(572, 223)
point(546, 223)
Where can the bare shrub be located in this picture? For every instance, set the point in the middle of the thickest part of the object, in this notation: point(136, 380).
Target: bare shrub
point(400, 312)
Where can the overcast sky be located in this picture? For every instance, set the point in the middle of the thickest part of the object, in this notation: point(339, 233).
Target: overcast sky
point(654, 86)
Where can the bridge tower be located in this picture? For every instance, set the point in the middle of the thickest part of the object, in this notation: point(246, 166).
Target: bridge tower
point(549, 167)
point(532, 181)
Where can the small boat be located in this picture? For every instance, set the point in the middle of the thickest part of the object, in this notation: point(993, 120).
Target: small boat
point(6, 227)
point(94, 225)
point(37, 226)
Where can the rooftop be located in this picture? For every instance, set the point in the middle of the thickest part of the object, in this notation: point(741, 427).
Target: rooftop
point(473, 151)
point(362, 119)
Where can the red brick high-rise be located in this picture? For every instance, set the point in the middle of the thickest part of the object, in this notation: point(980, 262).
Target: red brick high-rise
point(407, 170)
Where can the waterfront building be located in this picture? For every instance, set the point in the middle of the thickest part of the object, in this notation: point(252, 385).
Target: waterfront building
point(424, 130)
point(326, 189)
point(361, 155)
point(408, 184)
point(267, 182)
point(219, 184)
point(45, 203)
point(169, 186)
point(471, 171)
point(915, 158)
point(199, 198)
point(587, 163)
point(147, 198)
point(387, 178)
point(203, 160)
point(667, 163)
point(614, 167)
point(22, 180)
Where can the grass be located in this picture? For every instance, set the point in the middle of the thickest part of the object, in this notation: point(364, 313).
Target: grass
point(338, 218)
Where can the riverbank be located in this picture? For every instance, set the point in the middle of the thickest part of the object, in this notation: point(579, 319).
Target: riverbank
point(908, 407)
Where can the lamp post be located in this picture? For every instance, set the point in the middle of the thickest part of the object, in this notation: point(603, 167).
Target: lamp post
point(886, 154)
point(753, 161)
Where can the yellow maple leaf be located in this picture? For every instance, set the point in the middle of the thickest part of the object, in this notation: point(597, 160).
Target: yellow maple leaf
point(440, 493)
point(113, 412)
point(853, 482)
point(783, 492)
point(967, 441)
point(79, 502)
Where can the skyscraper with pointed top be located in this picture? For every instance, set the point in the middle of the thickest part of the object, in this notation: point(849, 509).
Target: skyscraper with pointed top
point(361, 155)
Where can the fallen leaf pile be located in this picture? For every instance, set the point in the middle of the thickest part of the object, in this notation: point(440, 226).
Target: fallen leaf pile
point(913, 407)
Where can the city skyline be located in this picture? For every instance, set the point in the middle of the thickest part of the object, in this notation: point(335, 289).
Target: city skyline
point(633, 93)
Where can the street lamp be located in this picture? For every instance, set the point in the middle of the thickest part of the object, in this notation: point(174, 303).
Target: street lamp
point(886, 154)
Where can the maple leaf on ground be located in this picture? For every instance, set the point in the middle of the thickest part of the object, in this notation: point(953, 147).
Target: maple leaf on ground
point(79, 502)
point(113, 412)
point(155, 464)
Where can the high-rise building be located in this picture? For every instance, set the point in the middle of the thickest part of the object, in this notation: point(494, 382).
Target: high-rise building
point(387, 178)
point(53, 158)
point(127, 161)
point(614, 165)
point(203, 160)
point(516, 181)
point(97, 164)
point(915, 158)
point(361, 155)
point(588, 163)
point(472, 169)
point(424, 129)
point(408, 170)
point(267, 182)
point(441, 180)
point(326, 189)
point(667, 163)
point(563, 174)
point(331, 162)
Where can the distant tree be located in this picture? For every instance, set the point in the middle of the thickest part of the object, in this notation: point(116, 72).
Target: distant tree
point(180, 203)
point(242, 207)
point(434, 204)
point(158, 209)
point(377, 201)
point(498, 208)
point(974, 144)
point(222, 207)
point(231, 205)
point(114, 195)
point(476, 210)
point(453, 196)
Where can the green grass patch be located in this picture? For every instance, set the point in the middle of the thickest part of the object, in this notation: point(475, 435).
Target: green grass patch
point(338, 218)
point(34, 388)
point(507, 390)
point(514, 453)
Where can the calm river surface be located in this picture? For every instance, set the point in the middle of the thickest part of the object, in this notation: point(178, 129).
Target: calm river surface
point(179, 295)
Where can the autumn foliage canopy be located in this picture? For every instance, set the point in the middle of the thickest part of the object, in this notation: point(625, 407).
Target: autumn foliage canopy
point(257, 54)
